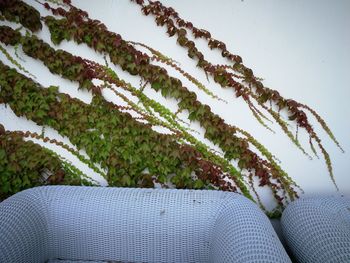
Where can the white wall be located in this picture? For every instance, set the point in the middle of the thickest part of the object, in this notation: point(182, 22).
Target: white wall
point(300, 48)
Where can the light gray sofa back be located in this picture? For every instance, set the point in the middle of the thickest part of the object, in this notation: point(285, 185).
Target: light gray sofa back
point(136, 225)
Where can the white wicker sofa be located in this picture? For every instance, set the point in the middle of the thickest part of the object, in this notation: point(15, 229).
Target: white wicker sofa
point(317, 229)
point(97, 224)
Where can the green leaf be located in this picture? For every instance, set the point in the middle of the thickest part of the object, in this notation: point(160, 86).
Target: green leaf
point(165, 92)
point(40, 114)
point(241, 164)
point(162, 178)
point(100, 46)
point(2, 155)
point(126, 180)
point(87, 39)
point(53, 89)
point(5, 187)
point(156, 86)
point(192, 116)
point(198, 184)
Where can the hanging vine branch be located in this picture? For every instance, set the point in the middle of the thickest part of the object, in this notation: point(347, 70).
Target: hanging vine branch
point(112, 138)
point(24, 164)
point(18, 11)
point(71, 67)
point(187, 137)
point(167, 15)
point(157, 56)
point(79, 27)
point(66, 147)
point(177, 26)
point(127, 147)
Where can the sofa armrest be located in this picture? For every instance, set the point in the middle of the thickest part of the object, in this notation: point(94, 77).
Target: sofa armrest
point(23, 228)
point(242, 233)
point(317, 229)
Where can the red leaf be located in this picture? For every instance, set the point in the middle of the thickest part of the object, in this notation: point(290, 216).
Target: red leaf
point(117, 40)
point(61, 11)
point(189, 25)
point(171, 31)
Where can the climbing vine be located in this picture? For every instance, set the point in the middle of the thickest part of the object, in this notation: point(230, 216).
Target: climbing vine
point(250, 87)
point(127, 148)
point(24, 164)
point(61, 62)
point(126, 152)
point(18, 11)
point(77, 25)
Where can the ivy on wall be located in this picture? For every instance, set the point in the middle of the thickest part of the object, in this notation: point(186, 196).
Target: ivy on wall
point(24, 164)
point(126, 147)
point(254, 88)
point(126, 151)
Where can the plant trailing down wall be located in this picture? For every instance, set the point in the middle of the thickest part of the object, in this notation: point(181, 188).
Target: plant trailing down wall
point(126, 152)
point(58, 61)
point(24, 164)
point(242, 81)
point(126, 147)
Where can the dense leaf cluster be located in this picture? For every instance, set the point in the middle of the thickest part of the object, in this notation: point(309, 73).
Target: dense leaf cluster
point(76, 25)
point(18, 11)
point(254, 88)
point(24, 164)
point(130, 151)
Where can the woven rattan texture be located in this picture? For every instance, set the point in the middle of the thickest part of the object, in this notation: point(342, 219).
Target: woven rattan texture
point(135, 225)
point(318, 229)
